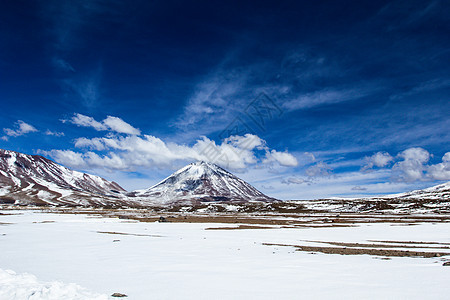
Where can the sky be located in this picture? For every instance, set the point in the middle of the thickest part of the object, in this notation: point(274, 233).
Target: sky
point(302, 99)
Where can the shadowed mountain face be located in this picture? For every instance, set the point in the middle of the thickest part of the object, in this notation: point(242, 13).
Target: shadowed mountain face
point(201, 181)
point(33, 179)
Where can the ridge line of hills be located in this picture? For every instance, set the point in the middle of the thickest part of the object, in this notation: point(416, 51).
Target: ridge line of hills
point(36, 180)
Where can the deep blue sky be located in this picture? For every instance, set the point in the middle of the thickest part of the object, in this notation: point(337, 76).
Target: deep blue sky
point(361, 90)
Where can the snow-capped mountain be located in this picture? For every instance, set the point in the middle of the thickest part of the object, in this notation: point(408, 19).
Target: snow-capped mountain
point(33, 179)
point(201, 181)
point(441, 191)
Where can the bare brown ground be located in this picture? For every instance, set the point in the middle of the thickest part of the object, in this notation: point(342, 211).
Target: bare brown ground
point(124, 233)
point(362, 251)
point(43, 222)
point(241, 227)
point(252, 217)
point(388, 245)
point(285, 220)
point(409, 242)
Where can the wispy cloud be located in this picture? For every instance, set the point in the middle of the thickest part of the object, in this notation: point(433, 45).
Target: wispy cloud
point(327, 96)
point(54, 133)
point(85, 89)
point(215, 101)
point(68, 19)
point(428, 86)
point(111, 123)
point(69, 22)
point(62, 64)
point(399, 14)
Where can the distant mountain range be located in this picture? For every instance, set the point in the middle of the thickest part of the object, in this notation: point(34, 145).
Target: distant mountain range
point(33, 179)
point(36, 180)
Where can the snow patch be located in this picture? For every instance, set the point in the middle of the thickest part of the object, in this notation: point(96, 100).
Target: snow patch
point(27, 286)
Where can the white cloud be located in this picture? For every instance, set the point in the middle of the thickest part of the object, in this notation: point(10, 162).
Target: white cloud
point(283, 158)
point(440, 171)
point(327, 96)
point(21, 128)
point(54, 133)
point(94, 144)
point(212, 97)
point(318, 170)
point(412, 167)
point(110, 123)
point(294, 180)
point(86, 121)
point(118, 125)
point(358, 188)
point(132, 152)
point(379, 159)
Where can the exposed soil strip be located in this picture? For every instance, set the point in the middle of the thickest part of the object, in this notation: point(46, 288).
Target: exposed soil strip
point(353, 245)
point(314, 225)
point(43, 222)
point(124, 233)
point(409, 242)
point(362, 251)
point(241, 227)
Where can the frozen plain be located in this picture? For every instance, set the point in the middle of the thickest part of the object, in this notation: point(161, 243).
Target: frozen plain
point(185, 261)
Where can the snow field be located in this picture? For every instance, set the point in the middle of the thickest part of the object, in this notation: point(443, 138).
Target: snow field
point(180, 260)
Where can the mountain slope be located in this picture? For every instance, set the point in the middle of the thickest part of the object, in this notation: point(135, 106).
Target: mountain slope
point(441, 191)
point(201, 181)
point(33, 179)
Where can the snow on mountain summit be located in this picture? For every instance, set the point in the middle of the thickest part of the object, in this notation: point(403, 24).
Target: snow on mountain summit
point(201, 181)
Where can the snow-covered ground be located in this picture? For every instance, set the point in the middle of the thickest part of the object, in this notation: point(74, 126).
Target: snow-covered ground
point(26, 286)
point(185, 261)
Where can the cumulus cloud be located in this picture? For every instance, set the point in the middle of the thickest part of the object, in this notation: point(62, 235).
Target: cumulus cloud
point(21, 128)
point(412, 167)
point(283, 158)
point(110, 123)
point(440, 171)
point(132, 152)
point(379, 159)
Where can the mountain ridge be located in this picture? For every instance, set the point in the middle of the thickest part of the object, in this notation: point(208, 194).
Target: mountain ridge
point(36, 180)
point(26, 179)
